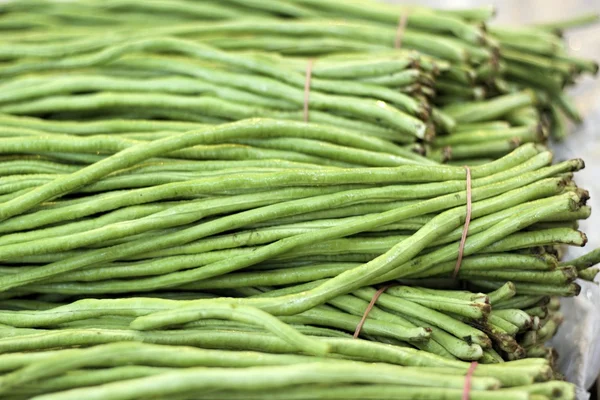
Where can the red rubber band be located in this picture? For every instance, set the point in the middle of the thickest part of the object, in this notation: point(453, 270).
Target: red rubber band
point(308, 76)
point(463, 239)
point(467, 388)
point(400, 31)
point(369, 308)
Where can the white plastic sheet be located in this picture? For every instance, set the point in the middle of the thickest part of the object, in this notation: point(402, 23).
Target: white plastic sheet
point(577, 342)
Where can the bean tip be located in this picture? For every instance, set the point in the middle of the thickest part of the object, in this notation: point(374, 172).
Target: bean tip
point(482, 340)
point(415, 62)
point(570, 273)
point(584, 239)
point(446, 154)
point(515, 142)
point(485, 308)
point(520, 352)
point(541, 131)
point(429, 133)
point(584, 196)
point(562, 183)
point(575, 290)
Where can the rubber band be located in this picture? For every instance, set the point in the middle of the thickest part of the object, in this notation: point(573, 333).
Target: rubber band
point(369, 308)
point(463, 239)
point(400, 31)
point(467, 388)
point(308, 76)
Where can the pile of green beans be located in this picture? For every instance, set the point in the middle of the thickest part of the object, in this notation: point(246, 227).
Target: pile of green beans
point(272, 255)
point(453, 78)
point(131, 339)
point(172, 228)
point(546, 317)
point(192, 89)
point(131, 370)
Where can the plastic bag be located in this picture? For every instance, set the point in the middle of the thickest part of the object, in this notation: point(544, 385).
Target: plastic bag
point(577, 339)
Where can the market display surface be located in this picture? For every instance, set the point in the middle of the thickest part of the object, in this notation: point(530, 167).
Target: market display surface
point(291, 199)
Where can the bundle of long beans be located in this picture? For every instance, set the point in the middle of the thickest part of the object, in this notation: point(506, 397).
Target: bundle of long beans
point(206, 93)
point(152, 247)
point(483, 63)
point(277, 257)
point(348, 42)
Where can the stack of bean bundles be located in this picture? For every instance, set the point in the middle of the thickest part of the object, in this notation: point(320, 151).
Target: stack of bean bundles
point(293, 199)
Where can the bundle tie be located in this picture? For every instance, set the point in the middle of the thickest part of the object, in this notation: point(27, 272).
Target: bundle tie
point(463, 239)
point(400, 30)
point(369, 308)
point(308, 77)
point(461, 250)
point(467, 388)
